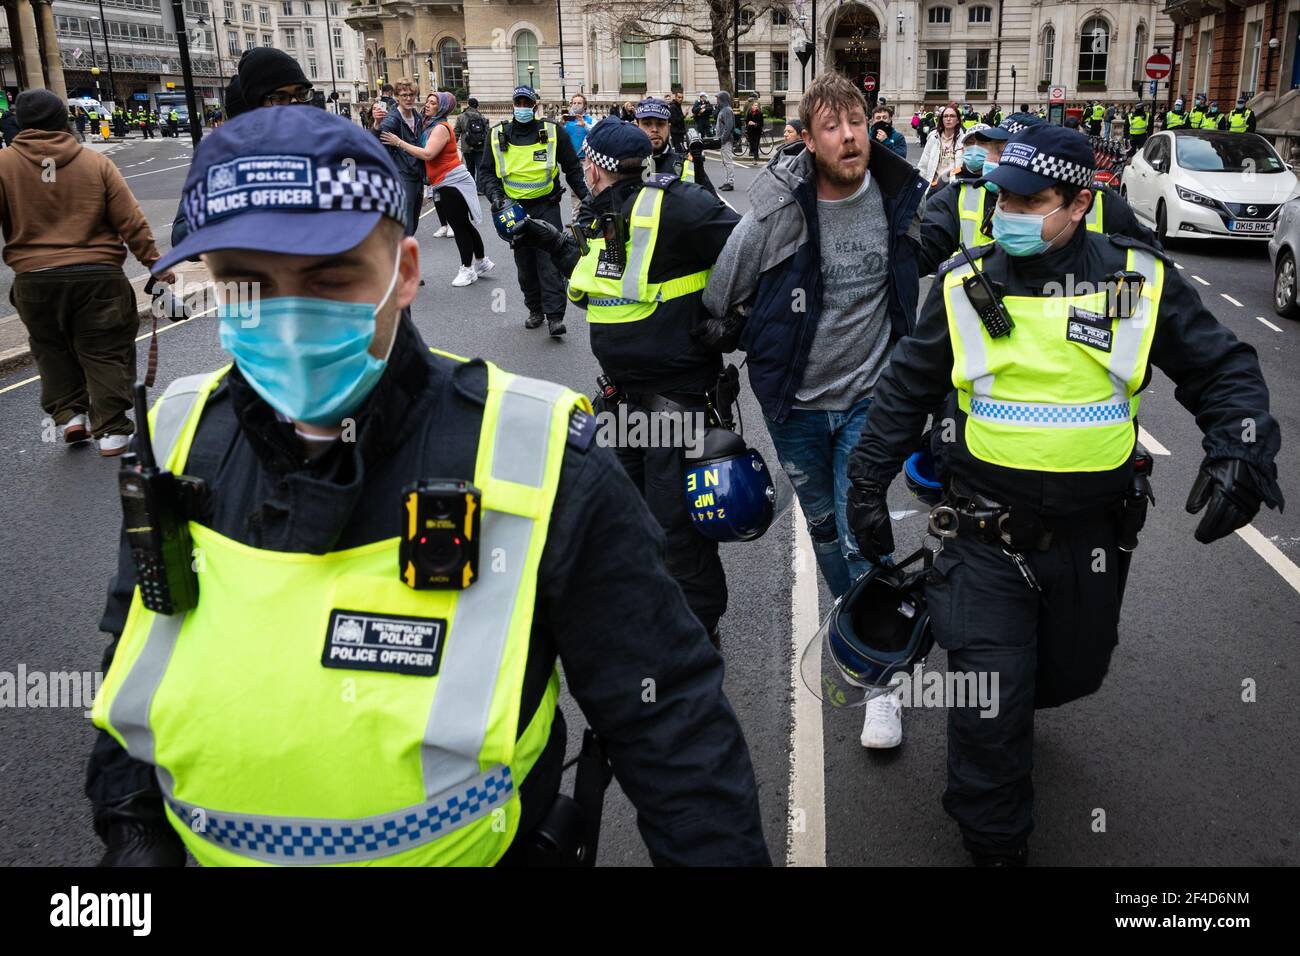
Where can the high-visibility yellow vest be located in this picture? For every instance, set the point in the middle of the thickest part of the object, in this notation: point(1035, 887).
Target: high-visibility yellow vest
point(173, 115)
point(526, 172)
point(1238, 120)
point(688, 169)
point(1060, 393)
point(265, 755)
point(1098, 111)
point(1137, 124)
point(631, 296)
point(968, 123)
point(1210, 121)
point(970, 212)
point(1175, 120)
point(1195, 117)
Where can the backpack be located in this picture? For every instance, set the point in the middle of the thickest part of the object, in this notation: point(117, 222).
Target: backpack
point(476, 131)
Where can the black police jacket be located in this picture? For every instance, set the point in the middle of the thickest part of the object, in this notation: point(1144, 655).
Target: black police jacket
point(605, 606)
point(941, 227)
point(526, 134)
point(1218, 380)
point(661, 353)
point(671, 162)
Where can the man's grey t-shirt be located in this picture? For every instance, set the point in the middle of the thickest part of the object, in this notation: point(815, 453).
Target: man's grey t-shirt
point(851, 346)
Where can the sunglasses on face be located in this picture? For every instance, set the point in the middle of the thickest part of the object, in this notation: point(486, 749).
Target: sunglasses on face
point(287, 97)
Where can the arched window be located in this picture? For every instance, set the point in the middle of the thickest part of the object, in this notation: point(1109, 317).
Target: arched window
point(1049, 54)
point(1139, 52)
point(1094, 50)
point(451, 64)
point(526, 56)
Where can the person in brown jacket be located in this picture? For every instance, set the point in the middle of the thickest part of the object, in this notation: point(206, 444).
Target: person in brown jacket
point(68, 218)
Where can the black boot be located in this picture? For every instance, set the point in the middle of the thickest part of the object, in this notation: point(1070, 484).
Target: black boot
point(555, 325)
point(534, 320)
point(136, 833)
point(715, 637)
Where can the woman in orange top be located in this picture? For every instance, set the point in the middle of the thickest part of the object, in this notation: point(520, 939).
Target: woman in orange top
point(454, 192)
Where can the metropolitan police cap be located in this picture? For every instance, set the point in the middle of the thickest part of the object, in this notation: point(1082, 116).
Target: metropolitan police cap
point(1041, 156)
point(653, 108)
point(286, 179)
point(1016, 122)
point(978, 131)
point(525, 91)
point(612, 140)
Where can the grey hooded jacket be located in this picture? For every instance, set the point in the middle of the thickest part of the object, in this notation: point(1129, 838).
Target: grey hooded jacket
point(726, 119)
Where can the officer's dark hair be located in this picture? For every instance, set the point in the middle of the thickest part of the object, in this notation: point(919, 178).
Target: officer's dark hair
point(1067, 192)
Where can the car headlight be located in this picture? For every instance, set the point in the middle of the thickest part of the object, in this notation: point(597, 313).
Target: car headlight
point(1188, 196)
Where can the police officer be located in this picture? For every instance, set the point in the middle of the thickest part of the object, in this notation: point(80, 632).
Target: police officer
point(969, 118)
point(1212, 119)
point(1137, 128)
point(1197, 115)
point(173, 121)
point(1096, 113)
point(527, 155)
point(1241, 119)
point(1021, 589)
point(313, 707)
point(644, 309)
point(963, 210)
point(654, 116)
point(1177, 117)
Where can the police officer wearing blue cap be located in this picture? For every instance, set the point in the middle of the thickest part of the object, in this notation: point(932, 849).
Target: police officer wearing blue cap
point(651, 241)
point(523, 164)
point(963, 210)
point(654, 117)
point(350, 685)
point(1049, 356)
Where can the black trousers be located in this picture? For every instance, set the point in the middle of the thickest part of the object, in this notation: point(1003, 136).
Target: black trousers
point(539, 280)
point(1044, 649)
point(473, 160)
point(453, 212)
point(691, 558)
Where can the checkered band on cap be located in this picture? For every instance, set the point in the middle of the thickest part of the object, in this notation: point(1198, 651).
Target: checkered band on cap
point(1013, 126)
point(600, 159)
point(1054, 167)
point(346, 188)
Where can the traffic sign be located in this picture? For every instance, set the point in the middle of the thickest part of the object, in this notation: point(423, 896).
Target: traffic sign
point(1057, 94)
point(869, 84)
point(1159, 65)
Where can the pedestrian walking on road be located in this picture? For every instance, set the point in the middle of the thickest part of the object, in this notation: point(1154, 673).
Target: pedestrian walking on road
point(81, 124)
point(406, 123)
point(726, 125)
point(66, 237)
point(754, 128)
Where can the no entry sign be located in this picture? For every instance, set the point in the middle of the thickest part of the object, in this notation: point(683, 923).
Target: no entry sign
point(1158, 66)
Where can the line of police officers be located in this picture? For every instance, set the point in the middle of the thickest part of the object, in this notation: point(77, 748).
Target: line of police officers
point(1046, 455)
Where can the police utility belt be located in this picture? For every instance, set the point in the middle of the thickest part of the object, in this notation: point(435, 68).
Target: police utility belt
point(1013, 526)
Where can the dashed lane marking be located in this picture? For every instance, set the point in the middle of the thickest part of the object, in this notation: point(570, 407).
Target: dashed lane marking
point(1149, 442)
point(806, 816)
point(1230, 299)
point(1200, 280)
point(152, 171)
point(1268, 323)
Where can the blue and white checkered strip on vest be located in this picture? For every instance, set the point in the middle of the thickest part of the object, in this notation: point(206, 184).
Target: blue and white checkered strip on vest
point(457, 790)
point(1126, 348)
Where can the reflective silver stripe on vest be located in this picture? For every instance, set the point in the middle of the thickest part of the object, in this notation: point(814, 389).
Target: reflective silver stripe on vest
point(1090, 220)
point(1126, 346)
point(969, 329)
point(290, 840)
point(500, 155)
point(970, 203)
point(173, 412)
point(642, 242)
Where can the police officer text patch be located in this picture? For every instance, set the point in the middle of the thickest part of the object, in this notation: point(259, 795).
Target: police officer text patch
point(1089, 328)
point(384, 642)
point(260, 182)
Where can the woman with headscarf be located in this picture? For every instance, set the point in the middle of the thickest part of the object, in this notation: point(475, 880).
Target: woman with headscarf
point(443, 231)
point(454, 193)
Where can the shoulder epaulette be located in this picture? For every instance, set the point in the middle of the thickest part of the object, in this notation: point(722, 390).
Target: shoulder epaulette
point(1128, 242)
point(958, 259)
point(660, 180)
point(582, 430)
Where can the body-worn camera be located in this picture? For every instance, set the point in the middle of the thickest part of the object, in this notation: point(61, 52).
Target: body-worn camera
point(440, 534)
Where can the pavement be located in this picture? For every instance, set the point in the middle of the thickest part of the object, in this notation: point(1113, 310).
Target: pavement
point(1167, 764)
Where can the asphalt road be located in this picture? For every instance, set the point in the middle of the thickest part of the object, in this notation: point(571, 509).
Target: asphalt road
point(1185, 771)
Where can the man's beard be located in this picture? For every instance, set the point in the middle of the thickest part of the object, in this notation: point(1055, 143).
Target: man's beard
point(833, 174)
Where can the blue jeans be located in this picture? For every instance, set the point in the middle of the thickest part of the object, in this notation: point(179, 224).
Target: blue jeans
point(813, 448)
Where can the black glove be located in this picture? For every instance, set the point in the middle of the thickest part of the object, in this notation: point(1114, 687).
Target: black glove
point(557, 243)
point(135, 832)
point(500, 203)
point(868, 515)
point(1228, 487)
point(721, 335)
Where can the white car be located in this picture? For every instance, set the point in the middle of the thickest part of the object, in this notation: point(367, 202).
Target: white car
point(1201, 184)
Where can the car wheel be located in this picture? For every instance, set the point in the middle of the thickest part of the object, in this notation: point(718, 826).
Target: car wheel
point(1162, 223)
point(1284, 286)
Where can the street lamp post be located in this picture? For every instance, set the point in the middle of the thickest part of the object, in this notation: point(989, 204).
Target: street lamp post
point(108, 54)
point(94, 60)
point(187, 71)
point(1013, 87)
point(221, 66)
point(559, 20)
point(329, 45)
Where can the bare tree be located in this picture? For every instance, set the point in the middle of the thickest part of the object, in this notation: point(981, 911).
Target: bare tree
point(709, 28)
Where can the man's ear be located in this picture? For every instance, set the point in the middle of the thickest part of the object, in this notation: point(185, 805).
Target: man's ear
point(808, 140)
point(408, 272)
point(1082, 203)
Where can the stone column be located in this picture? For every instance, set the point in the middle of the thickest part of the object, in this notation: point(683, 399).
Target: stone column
point(32, 78)
point(50, 42)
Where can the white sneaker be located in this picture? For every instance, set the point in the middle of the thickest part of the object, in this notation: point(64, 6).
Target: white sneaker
point(484, 266)
point(466, 276)
point(450, 233)
point(883, 727)
point(77, 429)
point(440, 232)
point(111, 445)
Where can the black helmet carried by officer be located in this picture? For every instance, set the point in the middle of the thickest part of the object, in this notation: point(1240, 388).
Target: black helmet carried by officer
point(878, 628)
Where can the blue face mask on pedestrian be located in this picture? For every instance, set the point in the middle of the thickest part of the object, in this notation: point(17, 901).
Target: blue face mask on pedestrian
point(308, 358)
point(1021, 234)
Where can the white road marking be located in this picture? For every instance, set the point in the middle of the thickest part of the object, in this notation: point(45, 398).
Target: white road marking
point(806, 817)
point(1267, 550)
point(1150, 443)
point(900, 515)
point(1230, 299)
point(152, 171)
point(729, 205)
point(1178, 265)
point(1268, 323)
point(1200, 280)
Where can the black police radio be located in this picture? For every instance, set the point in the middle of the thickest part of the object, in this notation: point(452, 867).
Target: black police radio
point(985, 299)
point(441, 520)
point(156, 509)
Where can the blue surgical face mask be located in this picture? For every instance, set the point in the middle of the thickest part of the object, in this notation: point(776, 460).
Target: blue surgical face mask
point(308, 358)
point(973, 158)
point(989, 166)
point(1021, 234)
point(524, 114)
